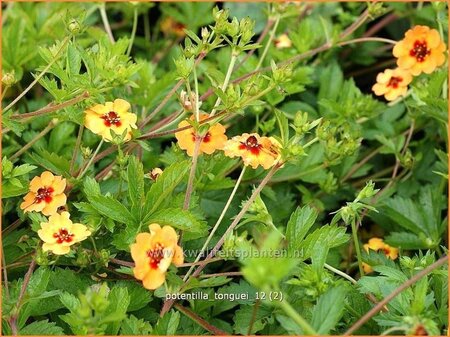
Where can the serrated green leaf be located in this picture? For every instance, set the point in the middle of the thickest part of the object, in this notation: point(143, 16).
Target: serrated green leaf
point(328, 311)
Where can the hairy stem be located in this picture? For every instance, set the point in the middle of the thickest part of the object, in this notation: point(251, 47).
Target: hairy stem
point(26, 280)
point(226, 80)
point(190, 186)
point(52, 107)
point(133, 30)
point(357, 248)
point(269, 41)
point(102, 9)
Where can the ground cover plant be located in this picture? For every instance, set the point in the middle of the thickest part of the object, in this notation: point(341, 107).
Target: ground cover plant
point(206, 168)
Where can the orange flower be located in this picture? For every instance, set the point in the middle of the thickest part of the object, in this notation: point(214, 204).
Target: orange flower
point(377, 244)
point(422, 50)
point(213, 140)
point(392, 83)
point(59, 233)
point(170, 26)
point(283, 41)
point(101, 119)
point(46, 194)
point(153, 253)
point(254, 150)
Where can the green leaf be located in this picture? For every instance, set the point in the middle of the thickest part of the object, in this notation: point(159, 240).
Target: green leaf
point(329, 236)
point(244, 315)
point(298, 225)
point(132, 326)
point(111, 208)
point(52, 162)
point(41, 328)
point(135, 174)
point(168, 324)
point(164, 186)
point(22, 169)
point(328, 310)
point(119, 301)
point(176, 217)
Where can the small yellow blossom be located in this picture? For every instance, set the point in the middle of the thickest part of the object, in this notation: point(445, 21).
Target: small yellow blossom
point(422, 50)
point(115, 116)
point(59, 233)
point(377, 244)
point(254, 150)
point(213, 140)
point(392, 83)
point(153, 253)
point(46, 194)
point(283, 41)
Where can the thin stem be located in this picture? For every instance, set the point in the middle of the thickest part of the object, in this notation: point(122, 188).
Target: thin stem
point(226, 80)
point(5, 273)
point(253, 318)
point(75, 150)
point(238, 217)
point(196, 100)
point(169, 95)
point(218, 222)
point(52, 107)
point(133, 31)
point(36, 80)
point(392, 295)
point(26, 280)
point(200, 321)
point(190, 186)
point(340, 273)
point(106, 24)
point(230, 273)
point(269, 41)
point(357, 248)
point(41, 134)
point(357, 166)
point(302, 323)
point(90, 161)
point(367, 39)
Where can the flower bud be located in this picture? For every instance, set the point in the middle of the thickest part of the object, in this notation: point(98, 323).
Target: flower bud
point(9, 78)
point(74, 27)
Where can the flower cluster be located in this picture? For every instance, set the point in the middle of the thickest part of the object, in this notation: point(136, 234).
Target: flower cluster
point(46, 195)
point(422, 50)
point(377, 244)
point(252, 148)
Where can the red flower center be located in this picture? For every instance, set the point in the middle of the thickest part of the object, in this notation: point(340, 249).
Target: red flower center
point(251, 144)
point(155, 255)
point(420, 51)
point(394, 81)
point(386, 251)
point(111, 118)
point(63, 236)
point(44, 193)
point(206, 138)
